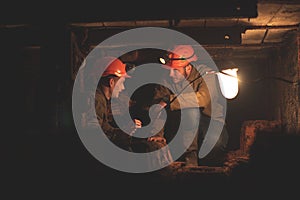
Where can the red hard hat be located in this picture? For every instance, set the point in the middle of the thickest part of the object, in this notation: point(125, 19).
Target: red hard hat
point(180, 56)
point(112, 65)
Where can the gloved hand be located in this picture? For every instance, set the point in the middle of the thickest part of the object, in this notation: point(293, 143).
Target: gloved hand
point(156, 110)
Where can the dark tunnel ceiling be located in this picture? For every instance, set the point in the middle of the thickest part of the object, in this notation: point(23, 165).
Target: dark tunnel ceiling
point(124, 11)
point(258, 21)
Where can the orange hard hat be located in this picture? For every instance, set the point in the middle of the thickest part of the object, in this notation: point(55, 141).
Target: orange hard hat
point(112, 65)
point(179, 56)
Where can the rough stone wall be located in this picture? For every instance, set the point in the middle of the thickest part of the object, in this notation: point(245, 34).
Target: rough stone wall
point(298, 37)
point(286, 71)
point(251, 128)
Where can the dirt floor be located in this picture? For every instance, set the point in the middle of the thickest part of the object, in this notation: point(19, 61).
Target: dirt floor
point(55, 165)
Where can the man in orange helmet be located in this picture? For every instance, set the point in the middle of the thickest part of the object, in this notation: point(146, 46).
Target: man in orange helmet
point(173, 94)
point(110, 85)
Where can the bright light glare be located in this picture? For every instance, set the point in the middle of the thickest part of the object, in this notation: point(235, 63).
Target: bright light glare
point(229, 83)
point(162, 60)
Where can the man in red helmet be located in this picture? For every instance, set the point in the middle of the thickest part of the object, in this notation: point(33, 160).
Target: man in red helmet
point(110, 85)
point(173, 94)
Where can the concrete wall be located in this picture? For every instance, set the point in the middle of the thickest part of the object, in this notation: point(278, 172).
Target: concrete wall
point(285, 65)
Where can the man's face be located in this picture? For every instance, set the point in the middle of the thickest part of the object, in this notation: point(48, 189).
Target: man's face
point(177, 75)
point(118, 87)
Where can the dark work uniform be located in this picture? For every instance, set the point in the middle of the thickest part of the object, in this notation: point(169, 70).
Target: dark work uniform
point(103, 109)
